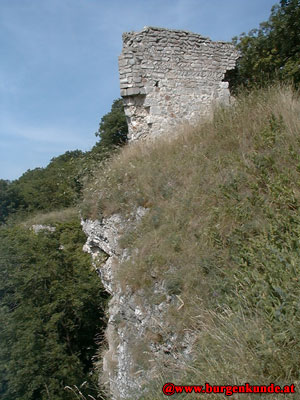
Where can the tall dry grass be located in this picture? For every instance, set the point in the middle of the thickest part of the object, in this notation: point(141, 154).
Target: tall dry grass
point(222, 230)
point(51, 217)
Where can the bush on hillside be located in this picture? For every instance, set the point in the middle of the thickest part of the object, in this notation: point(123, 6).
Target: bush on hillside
point(113, 127)
point(272, 52)
point(51, 310)
point(59, 185)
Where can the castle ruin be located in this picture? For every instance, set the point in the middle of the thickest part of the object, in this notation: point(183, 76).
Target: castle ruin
point(171, 76)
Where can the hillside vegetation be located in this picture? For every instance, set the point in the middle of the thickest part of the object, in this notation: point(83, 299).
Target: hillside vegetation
point(52, 302)
point(222, 230)
point(270, 53)
point(59, 185)
point(51, 312)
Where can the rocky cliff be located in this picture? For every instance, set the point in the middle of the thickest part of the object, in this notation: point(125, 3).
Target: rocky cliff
point(167, 77)
point(140, 341)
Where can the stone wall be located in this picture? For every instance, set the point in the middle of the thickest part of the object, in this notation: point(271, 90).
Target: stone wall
point(171, 76)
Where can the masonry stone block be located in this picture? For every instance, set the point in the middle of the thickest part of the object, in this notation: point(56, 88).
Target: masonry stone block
point(162, 69)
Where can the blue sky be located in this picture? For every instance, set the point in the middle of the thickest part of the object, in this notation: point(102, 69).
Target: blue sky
point(59, 65)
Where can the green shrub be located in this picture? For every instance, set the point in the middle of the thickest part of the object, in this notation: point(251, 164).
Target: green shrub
point(51, 309)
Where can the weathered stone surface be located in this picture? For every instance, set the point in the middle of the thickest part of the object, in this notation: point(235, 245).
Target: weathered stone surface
point(39, 227)
point(139, 338)
point(102, 244)
point(175, 68)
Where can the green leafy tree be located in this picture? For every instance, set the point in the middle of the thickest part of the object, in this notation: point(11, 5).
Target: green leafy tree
point(56, 186)
point(59, 185)
point(271, 52)
point(113, 126)
point(53, 187)
point(50, 312)
point(10, 199)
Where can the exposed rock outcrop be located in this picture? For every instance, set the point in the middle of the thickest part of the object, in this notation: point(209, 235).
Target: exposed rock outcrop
point(39, 228)
point(139, 338)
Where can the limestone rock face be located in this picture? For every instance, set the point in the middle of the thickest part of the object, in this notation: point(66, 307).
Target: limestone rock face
point(39, 227)
point(102, 244)
point(171, 76)
point(139, 339)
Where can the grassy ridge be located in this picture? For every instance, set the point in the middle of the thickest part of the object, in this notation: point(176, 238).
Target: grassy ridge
point(222, 230)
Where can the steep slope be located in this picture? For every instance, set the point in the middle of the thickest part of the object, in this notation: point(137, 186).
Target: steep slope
point(51, 310)
point(51, 301)
point(197, 239)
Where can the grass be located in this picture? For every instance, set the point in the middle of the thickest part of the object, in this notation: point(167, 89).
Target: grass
point(77, 392)
point(222, 230)
point(52, 217)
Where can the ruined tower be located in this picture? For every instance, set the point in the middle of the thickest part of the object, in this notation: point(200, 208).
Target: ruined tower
point(171, 76)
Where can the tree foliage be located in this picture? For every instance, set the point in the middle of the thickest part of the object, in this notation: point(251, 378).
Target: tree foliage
point(59, 185)
point(10, 199)
point(271, 52)
point(50, 312)
point(113, 126)
point(51, 301)
point(54, 186)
